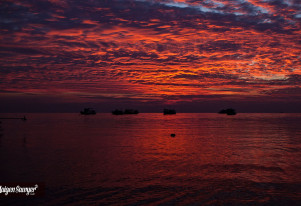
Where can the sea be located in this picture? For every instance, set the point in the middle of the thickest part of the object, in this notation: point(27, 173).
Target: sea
point(152, 159)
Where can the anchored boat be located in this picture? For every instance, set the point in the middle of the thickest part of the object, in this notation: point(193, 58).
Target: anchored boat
point(127, 111)
point(169, 111)
point(88, 111)
point(229, 111)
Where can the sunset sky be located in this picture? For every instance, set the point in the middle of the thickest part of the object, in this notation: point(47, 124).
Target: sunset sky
point(192, 55)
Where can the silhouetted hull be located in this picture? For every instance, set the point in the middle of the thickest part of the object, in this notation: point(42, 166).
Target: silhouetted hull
point(169, 111)
point(227, 111)
point(88, 111)
point(127, 111)
point(117, 112)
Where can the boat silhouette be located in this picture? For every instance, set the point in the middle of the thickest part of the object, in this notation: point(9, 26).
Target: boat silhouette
point(88, 111)
point(169, 111)
point(117, 112)
point(229, 111)
point(127, 111)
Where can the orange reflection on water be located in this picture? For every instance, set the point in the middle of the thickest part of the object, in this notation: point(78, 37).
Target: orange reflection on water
point(131, 158)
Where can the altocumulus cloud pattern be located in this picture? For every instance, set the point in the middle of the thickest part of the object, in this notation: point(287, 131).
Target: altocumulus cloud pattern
point(170, 51)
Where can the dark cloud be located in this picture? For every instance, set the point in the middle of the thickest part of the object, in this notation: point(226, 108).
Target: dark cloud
point(21, 50)
point(294, 79)
point(220, 45)
point(288, 92)
point(16, 69)
point(205, 75)
point(192, 97)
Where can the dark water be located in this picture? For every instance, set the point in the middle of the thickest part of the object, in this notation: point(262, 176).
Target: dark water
point(246, 159)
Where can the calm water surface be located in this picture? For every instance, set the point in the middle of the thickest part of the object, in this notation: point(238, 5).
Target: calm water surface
point(246, 159)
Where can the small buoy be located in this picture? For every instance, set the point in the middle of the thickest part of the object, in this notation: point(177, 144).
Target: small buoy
point(172, 135)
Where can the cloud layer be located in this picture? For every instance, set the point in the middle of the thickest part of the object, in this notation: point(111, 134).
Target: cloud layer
point(151, 50)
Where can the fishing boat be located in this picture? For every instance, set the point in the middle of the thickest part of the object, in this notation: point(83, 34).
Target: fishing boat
point(229, 111)
point(88, 111)
point(169, 111)
point(117, 112)
point(127, 111)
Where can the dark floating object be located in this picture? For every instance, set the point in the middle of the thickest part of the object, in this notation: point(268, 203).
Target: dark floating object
point(117, 112)
point(169, 111)
point(127, 111)
point(229, 111)
point(172, 135)
point(22, 118)
point(88, 111)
